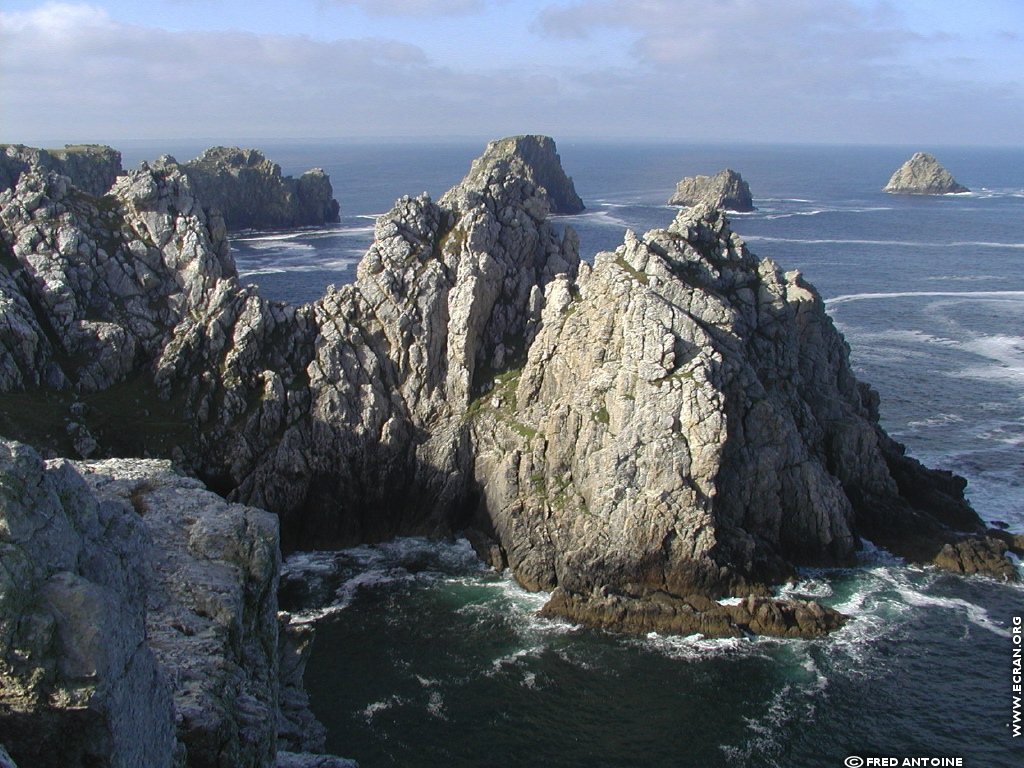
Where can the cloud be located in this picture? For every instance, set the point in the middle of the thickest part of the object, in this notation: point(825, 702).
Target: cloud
point(840, 70)
point(414, 7)
point(74, 73)
point(719, 70)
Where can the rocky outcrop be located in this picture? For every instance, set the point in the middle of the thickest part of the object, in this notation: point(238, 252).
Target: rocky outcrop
point(726, 190)
point(687, 423)
point(211, 599)
point(91, 167)
point(922, 174)
point(139, 620)
point(535, 159)
point(79, 686)
point(250, 193)
point(676, 424)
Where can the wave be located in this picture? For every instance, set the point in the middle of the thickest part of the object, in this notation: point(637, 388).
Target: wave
point(332, 265)
point(982, 295)
point(600, 218)
point(860, 241)
point(255, 240)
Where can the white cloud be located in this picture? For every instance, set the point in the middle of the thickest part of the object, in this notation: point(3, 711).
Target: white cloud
point(414, 7)
point(74, 73)
point(728, 70)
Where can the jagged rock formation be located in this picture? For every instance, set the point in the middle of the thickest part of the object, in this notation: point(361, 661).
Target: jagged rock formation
point(91, 167)
point(726, 190)
point(139, 618)
point(675, 425)
point(535, 159)
point(78, 684)
point(922, 174)
point(250, 192)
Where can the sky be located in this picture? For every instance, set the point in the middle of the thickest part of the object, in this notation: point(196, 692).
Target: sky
point(936, 72)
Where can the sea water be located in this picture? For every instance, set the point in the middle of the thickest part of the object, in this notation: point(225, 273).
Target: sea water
point(426, 658)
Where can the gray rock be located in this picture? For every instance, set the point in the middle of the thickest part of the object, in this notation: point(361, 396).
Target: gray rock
point(211, 601)
point(79, 686)
point(250, 192)
point(922, 174)
point(90, 167)
point(725, 190)
point(535, 159)
point(681, 419)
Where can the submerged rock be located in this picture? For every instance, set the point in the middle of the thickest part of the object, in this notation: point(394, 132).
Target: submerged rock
point(250, 193)
point(922, 174)
point(725, 190)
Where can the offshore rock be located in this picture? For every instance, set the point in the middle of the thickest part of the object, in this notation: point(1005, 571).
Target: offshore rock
point(922, 174)
point(725, 190)
point(687, 423)
point(535, 159)
point(250, 192)
point(90, 167)
point(679, 420)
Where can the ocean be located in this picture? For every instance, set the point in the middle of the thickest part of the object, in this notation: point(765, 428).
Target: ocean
point(424, 657)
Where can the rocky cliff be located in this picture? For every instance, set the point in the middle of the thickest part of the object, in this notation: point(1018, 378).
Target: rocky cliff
point(250, 193)
point(674, 425)
point(725, 190)
point(139, 620)
point(91, 167)
point(922, 174)
point(535, 159)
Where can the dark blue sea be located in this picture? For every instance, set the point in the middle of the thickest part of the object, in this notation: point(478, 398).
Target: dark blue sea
point(426, 658)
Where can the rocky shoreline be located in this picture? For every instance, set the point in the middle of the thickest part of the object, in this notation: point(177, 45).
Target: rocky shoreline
point(643, 437)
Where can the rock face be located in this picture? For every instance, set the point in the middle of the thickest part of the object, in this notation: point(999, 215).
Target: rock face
point(923, 175)
point(91, 167)
point(250, 192)
point(79, 686)
point(726, 190)
point(139, 620)
point(677, 424)
point(535, 159)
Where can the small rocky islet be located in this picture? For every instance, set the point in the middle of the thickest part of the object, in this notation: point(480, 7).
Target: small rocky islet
point(726, 190)
point(676, 424)
point(922, 174)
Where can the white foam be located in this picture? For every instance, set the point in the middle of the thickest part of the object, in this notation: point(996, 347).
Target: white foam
point(374, 708)
point(974, 613)
point(938, 420)
point(862, 241)
point(981, 295)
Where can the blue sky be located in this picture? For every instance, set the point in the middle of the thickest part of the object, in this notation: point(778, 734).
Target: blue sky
point(831, 71)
